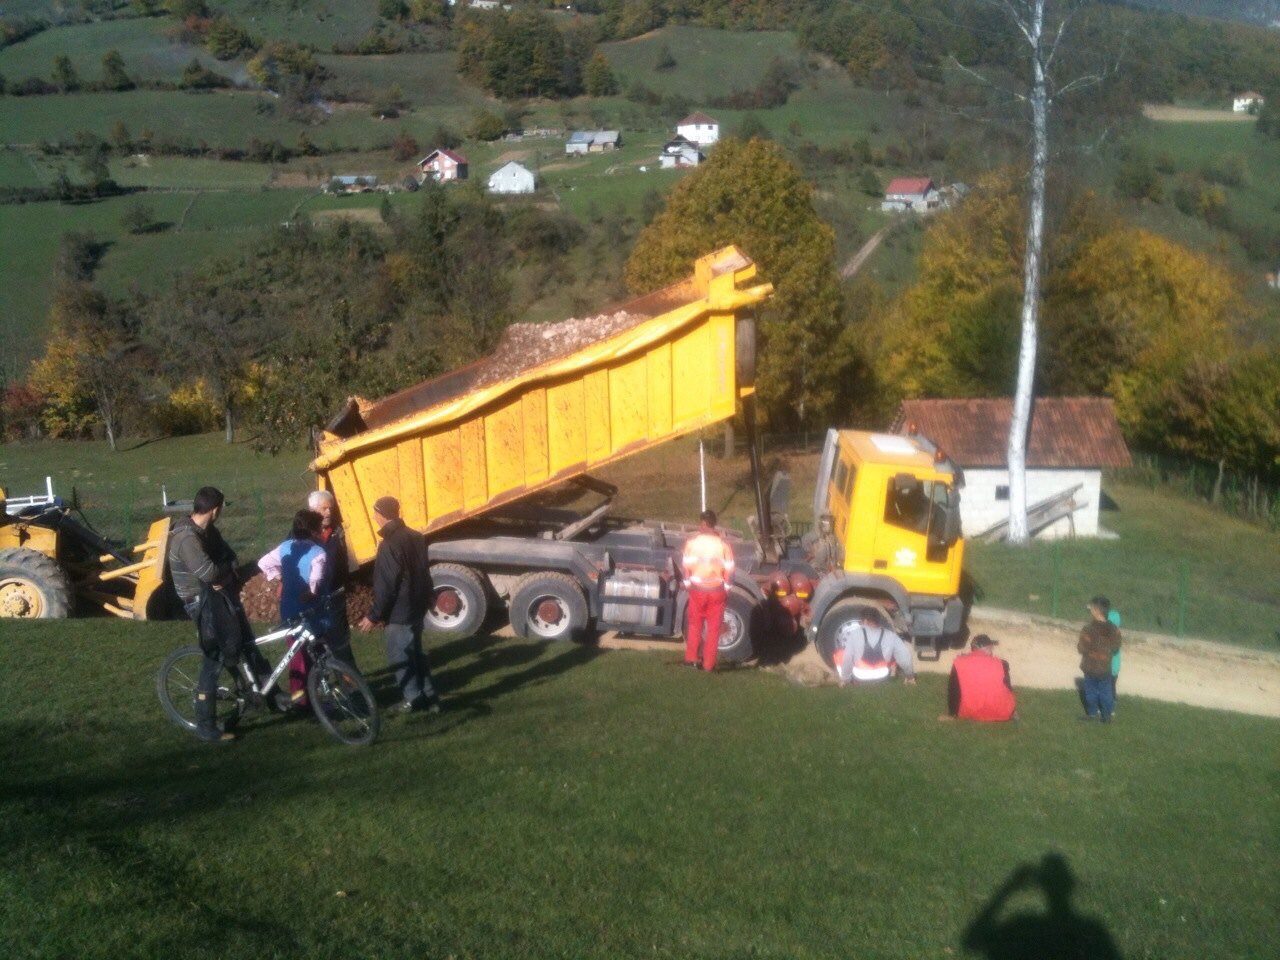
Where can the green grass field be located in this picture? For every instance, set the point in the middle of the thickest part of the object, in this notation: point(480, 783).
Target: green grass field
point(148, 52)
point(576, 803)
point(709, 63)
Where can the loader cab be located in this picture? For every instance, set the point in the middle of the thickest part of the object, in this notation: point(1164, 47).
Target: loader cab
point(893, 504)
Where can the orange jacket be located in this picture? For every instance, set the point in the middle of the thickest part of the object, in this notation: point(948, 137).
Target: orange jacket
point(708, 562)
point(980, 682)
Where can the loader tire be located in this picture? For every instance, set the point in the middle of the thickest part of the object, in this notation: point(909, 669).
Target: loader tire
point(32, 586)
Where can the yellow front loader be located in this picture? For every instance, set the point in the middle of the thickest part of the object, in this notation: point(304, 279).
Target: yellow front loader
point(49, 560)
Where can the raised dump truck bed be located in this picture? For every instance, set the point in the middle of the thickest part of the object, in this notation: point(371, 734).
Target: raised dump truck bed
point(551, 403)
point(465, 452)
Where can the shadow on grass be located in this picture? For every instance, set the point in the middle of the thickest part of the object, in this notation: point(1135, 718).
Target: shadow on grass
point(1059, 933)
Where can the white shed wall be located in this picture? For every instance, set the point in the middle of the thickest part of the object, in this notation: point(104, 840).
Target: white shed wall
point(979, 508)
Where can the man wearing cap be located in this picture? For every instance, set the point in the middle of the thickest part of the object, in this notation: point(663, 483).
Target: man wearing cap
point(401, 595)
point(979, 688)
point(1099, 642)
point(708, 564)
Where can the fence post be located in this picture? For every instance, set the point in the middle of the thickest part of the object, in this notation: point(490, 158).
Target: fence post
point(1053, 589)
point(1184, 578)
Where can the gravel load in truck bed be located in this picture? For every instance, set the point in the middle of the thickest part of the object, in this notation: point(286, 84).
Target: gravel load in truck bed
point(527, 345)
point(523, 346)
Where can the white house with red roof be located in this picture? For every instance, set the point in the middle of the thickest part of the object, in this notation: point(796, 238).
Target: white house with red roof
point(700, 129)
point(1072, 440)
point(442, 165)
point(1244, 102)
point(911, 195)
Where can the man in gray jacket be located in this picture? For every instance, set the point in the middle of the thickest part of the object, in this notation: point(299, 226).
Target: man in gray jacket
point(203, 569)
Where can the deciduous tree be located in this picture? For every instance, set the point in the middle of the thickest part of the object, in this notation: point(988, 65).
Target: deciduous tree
point(751, 195)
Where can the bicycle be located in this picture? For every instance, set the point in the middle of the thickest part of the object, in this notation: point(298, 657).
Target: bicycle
point(339, 695)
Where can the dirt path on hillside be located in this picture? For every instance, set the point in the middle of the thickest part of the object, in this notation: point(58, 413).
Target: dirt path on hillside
point(1042, 655)
point(858, 259)
point(1161, 111)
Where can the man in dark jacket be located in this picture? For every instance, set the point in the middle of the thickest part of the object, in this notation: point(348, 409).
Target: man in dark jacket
point(203, 569)
point(1099, 641)
point(401, 595)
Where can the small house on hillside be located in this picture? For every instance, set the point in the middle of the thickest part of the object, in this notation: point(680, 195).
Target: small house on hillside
point(1244, 102)
point(910, 195)
point(512, 177)
point(1072, 440)
point(592, 141)
point(700, 129)
point(443, 165)
point(679, 152)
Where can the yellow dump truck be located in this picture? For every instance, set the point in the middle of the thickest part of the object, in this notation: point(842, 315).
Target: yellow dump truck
point(465, 454)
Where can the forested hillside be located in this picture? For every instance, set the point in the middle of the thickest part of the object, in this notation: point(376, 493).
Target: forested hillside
point(172, 174)
point(1263, 12)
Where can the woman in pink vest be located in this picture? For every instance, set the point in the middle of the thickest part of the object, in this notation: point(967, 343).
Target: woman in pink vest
point(980, 688)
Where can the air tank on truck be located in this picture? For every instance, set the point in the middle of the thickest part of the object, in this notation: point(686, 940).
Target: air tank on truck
point(470, 455)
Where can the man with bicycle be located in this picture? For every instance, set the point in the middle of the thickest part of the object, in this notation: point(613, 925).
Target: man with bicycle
point(203, 570)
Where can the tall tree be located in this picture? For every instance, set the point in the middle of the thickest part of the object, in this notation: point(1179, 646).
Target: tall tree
point(114, 76)
point(751, 195)
point(1041, 25)
point(211, 324)
point(89, 369)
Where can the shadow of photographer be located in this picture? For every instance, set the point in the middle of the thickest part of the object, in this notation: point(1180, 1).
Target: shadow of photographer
point(1057, 933)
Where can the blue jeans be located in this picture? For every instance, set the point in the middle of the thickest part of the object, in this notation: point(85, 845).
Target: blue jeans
point(408, 665)
point(1099, 696)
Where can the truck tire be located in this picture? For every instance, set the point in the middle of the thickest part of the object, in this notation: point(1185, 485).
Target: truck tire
point(741, 627)
point(547, 606)
point(32, 586)
point(843, 615)
point(460, 602)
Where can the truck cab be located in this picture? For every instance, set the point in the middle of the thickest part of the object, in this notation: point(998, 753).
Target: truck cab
point(887, 516)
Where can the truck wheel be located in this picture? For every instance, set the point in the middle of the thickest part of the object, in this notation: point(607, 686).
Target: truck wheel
point(460, 602)
point(841, 618)
point(741, 623)
point(547, 606)
point(32, 586)
point(741, 627)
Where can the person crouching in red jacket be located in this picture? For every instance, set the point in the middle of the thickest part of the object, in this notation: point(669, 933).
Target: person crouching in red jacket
point(979, 687)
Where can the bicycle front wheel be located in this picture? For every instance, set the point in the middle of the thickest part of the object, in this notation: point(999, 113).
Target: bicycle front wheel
point(343, 702)
point(176, 685)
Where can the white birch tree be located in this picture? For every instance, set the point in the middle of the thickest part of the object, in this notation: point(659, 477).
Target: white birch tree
point(1042, 26)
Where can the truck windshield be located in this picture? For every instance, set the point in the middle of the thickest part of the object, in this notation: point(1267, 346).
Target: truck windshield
point(921, 506)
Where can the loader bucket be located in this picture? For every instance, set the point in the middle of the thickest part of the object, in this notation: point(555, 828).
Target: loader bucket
point(145, 576)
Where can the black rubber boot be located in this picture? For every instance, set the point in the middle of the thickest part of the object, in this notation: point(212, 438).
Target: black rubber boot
point(206, 725)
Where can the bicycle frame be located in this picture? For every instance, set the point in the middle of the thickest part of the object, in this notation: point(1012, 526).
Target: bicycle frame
point(303, 637)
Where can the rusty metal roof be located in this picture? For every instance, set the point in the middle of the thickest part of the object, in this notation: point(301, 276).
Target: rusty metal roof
point(1065, 431)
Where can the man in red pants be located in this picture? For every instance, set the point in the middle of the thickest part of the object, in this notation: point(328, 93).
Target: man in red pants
point(979, 687)
point(708, 566)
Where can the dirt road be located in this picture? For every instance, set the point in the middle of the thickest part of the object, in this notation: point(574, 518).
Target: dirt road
point(1042, 654)
point(858, 259)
